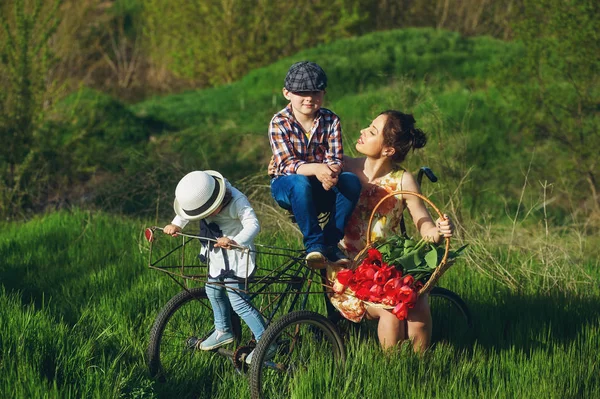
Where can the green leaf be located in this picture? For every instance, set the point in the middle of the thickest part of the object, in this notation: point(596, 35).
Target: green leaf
point(432, 258)
point(385, 249)
point(418, 258)
point(407, 262)
point(459, 250)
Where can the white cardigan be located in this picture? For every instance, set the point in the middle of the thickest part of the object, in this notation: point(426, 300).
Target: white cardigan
point(238, 222)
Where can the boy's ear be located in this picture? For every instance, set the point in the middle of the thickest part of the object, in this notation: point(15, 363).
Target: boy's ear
point(286, 93)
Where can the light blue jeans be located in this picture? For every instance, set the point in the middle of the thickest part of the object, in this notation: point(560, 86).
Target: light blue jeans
point(223, 299)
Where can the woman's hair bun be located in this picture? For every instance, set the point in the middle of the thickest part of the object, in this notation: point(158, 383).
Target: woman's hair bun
point(400, 133)
point(419, 138)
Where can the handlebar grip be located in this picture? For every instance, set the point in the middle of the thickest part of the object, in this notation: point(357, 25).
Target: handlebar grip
point(428, 172)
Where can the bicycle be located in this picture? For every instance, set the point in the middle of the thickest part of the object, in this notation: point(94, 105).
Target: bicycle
point(280, 290)
point(298, 333)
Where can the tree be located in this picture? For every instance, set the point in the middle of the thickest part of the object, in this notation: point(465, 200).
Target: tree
point(25, 60)
point(218, 41)
point(554, 90)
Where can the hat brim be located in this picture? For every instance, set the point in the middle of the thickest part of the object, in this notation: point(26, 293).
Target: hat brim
point(217, 202)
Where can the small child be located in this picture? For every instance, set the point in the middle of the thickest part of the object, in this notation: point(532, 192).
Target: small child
point(225, 215)
point(306, 141)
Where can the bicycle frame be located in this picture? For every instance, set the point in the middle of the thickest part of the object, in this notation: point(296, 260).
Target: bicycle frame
point(295, 277)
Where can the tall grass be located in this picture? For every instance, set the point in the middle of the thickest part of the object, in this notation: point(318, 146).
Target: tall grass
point(77, 304)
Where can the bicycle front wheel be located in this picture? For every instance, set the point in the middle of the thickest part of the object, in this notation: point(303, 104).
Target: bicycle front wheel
point(306, 344)
point(186, 320)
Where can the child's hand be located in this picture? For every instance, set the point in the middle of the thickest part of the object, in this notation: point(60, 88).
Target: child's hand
point(171, 230)
point(224, 242)
point(445, 226)
point(327, 176)
point(337, 169)
point(271, 169)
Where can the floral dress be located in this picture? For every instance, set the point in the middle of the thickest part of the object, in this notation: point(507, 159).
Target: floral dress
point(386, 223)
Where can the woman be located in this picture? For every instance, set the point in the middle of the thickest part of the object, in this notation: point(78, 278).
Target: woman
point(384, 144)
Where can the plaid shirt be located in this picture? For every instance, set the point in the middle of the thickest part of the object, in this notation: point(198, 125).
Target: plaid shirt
point(291, 148)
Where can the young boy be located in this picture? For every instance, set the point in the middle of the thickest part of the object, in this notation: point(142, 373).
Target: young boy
point(306, 141)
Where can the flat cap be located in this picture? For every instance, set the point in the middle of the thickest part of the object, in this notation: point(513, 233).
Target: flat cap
point(305, 76)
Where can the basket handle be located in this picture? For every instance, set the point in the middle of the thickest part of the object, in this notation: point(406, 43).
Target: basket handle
point(441, 268)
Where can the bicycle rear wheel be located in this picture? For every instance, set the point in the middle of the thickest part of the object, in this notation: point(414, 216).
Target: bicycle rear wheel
point(451, 316)
point(184, 321)
point(307, 343)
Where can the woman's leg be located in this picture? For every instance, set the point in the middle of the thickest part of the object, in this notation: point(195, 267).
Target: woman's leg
point(390, 330)
point(220, 305)
point(240, 302)
point(420, 324)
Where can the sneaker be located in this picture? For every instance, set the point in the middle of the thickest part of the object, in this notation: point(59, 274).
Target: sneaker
point(315, 260)
point(216, 340)
point(271, 352)
point(337, 256)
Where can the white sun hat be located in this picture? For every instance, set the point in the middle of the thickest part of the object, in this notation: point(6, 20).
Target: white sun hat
point(198, 194)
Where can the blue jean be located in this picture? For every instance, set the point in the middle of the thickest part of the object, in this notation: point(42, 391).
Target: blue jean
point(223, 299)
point(306, 198)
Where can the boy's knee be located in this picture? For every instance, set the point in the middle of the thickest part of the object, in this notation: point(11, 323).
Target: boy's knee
point(285, 188)
point(350, 183)
point(296, 184)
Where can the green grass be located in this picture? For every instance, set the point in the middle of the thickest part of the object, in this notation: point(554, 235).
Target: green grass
point(77, 303)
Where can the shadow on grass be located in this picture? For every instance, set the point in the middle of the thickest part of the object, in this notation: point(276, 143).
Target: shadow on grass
point(522, 321)
point(519, 321)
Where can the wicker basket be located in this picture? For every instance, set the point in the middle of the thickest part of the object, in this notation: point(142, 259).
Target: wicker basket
point(439, 270)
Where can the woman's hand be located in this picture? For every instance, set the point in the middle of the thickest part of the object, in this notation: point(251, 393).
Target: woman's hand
point(172, 230)
point(226, 243)
point(445, 227)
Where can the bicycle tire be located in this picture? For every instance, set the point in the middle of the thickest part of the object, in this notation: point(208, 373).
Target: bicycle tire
point(455, 300)
point(184, 320)
point(322, 345)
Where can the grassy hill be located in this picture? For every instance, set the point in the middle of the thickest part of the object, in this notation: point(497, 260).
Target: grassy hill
point(446, 80)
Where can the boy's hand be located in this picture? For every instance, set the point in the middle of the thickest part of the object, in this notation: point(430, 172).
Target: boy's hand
point(337, 169)
point(271, 169)
point(224, 242)
point(327, 176)
point(171, 230)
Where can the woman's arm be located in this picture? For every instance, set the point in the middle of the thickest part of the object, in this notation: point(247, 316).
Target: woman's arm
point(428, 229)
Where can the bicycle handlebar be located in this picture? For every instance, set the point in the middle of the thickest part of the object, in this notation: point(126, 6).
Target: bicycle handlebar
point(425, 170)
point(196, 236)
point(150, 237)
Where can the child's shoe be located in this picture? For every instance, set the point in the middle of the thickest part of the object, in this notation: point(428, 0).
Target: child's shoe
point(315, 260)
point(270, 354)
point(337, 256)
point(216, 340)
